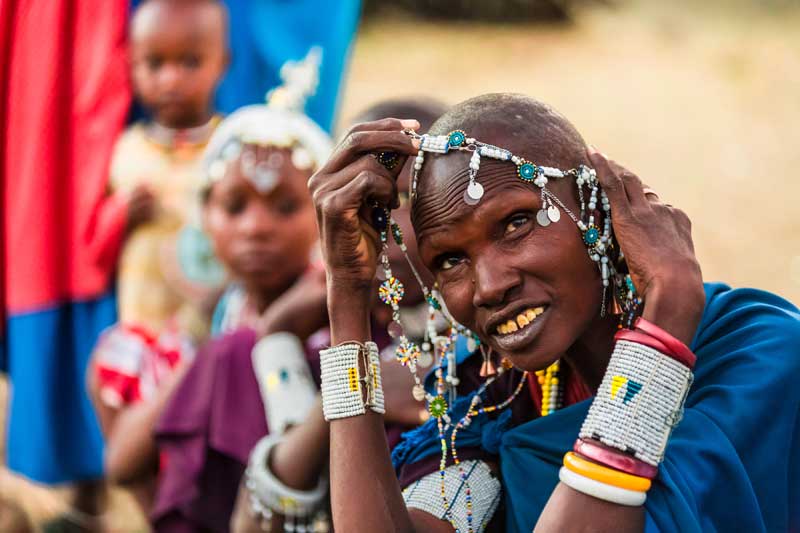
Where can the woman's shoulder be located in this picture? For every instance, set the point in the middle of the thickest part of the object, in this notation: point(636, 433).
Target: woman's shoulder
point(748, 353)
point(742, 318)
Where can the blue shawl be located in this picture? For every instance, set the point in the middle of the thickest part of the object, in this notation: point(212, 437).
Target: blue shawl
point(733, 463)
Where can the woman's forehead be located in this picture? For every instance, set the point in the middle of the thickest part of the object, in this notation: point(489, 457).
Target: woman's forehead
point(440, 195)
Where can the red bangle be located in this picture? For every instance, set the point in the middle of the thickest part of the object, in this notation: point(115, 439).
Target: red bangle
point(642, 338)
point(614, 459)
point(678, 350)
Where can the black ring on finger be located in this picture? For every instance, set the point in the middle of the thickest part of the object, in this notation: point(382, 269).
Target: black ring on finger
point(387, 159)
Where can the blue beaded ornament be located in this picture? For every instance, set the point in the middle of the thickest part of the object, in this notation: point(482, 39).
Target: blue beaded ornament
point(527, 171)
point(457, 138)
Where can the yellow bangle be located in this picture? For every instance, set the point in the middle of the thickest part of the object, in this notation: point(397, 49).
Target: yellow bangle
point(603, 474)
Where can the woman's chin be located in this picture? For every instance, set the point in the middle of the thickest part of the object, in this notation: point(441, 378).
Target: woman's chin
point(532, 361)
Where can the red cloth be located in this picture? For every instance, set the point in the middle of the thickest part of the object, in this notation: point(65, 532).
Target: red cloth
point(63, 101)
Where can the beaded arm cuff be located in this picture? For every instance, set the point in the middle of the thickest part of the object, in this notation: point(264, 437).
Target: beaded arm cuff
point(345, 391)
point(639, 401)
point(484, 494)
point(269, 495)
point(284, 379)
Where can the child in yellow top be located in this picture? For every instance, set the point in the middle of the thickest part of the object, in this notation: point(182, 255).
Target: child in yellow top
point(179, 54)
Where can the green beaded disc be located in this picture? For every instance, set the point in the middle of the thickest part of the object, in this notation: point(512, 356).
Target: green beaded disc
point(438, 407)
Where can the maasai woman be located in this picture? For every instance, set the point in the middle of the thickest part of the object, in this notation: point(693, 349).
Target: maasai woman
point(512, 214)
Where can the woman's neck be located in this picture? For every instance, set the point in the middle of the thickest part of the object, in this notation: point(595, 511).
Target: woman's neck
point(590, 354)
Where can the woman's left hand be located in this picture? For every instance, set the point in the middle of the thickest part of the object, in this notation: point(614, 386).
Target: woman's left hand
point(656, 239)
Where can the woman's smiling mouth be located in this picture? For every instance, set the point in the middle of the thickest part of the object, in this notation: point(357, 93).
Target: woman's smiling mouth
point(518, 331)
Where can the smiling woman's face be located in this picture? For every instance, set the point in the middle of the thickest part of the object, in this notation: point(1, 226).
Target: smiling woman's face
point(526, 290)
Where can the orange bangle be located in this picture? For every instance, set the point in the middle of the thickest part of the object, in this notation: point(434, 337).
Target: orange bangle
point(603, 474)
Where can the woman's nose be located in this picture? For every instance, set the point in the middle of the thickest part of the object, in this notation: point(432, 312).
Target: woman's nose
point(492, 284)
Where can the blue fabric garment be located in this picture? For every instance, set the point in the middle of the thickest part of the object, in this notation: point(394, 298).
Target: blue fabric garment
point(266, 33)
point(53, 434)
point(733, 463)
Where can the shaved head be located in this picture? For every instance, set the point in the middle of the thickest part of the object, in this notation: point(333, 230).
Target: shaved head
point(519, 123)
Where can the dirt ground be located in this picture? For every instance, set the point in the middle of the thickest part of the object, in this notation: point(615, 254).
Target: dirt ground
point(699, 98)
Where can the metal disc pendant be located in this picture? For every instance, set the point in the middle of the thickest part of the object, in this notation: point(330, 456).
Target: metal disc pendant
point(425, 359)
point(553, 213)
point(475, 191)
point(394, 329)
point(542, 219)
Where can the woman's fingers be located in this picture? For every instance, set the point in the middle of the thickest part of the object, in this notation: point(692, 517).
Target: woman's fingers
point(358, 143)
point(386, 124)
point(366, 187)
point(624, 188)
point(321, 184)
point(610, 181)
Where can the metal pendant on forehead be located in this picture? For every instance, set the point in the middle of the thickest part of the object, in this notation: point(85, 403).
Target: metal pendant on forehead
point(553, 213)
point(542, 218)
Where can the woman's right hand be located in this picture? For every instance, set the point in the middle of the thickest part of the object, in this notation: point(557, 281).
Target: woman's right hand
point(345, 191)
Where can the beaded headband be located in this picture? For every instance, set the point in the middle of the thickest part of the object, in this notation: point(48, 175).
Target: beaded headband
point(598, 243)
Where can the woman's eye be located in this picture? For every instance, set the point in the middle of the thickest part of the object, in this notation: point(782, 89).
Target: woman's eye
point(446, 262)
point(516, 222)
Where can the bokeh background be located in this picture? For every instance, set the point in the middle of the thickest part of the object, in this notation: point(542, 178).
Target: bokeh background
point(700, 98)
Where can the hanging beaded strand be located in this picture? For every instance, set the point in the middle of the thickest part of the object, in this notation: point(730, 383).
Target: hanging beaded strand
point(552, 395)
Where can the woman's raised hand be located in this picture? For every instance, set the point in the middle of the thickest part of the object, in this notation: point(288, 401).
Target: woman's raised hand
point(657, 242)
point(345, 192)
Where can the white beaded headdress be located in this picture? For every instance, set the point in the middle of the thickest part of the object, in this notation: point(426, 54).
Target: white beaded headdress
point(280, 123)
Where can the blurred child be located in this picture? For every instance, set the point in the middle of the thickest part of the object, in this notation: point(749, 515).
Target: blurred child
point(255, 376)
point(178, 55)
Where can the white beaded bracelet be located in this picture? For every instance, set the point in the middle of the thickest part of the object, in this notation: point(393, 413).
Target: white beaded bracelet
point(639, 402)
point(269, 495)
point(345, 391)
point(603, 491)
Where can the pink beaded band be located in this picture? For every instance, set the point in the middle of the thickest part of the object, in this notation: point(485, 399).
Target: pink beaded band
point(614, 459)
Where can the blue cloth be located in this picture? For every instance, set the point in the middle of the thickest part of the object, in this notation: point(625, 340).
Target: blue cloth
point(733, 463)
point(266, 33)
point(53, 434)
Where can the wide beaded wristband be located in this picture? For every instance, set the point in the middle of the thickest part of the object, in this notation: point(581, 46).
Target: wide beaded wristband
point(639, 402)
point(351, 380)
point(269, 495)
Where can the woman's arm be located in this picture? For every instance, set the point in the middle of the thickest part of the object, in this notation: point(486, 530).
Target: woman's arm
point(365, 493)
point(656, 240)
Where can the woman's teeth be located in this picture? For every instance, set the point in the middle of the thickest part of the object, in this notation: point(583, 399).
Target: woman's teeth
point(523, 319)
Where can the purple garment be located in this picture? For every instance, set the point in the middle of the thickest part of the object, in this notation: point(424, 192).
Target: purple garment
point(208, 429)
point(205, 435)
